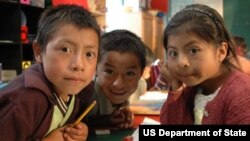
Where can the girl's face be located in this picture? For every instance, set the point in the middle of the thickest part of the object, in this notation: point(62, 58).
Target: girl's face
point(193, 60)
point(70, 59)
point(118, 75)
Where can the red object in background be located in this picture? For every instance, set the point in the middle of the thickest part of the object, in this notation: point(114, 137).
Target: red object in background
point(128, 138)
point(24, 34)
point(154, 73)
point(161, 5)
point(25, 1)
point(83, 3)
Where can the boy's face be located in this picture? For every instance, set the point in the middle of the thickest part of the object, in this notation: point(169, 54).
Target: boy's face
point(118, 75)
point(70, 59)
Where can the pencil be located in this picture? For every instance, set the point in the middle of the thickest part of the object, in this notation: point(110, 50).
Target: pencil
point(85, 112)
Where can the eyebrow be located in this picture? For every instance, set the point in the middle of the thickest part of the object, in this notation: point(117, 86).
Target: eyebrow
point(66, 41)
point(130, 67)
point(72, 43)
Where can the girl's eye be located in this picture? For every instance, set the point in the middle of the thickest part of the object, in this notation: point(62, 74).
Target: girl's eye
point(194, 50)
point(172, 53)
point(67, 50)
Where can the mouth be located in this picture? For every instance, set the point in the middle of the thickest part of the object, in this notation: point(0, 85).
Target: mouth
point(74, 79)
point(184, 76)
point(119, 93)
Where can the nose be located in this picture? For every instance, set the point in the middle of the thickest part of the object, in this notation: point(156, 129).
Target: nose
point(119, 81)
point(183, 61)
point(78, 63)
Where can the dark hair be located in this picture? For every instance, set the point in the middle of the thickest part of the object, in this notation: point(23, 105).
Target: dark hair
point(206, 23)
point(53, 17)
point(123, 41)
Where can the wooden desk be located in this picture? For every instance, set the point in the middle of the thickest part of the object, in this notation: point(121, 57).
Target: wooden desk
point(118, 135)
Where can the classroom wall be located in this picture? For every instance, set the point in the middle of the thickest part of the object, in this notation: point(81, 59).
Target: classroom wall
point(177, 5)
point(237, 18)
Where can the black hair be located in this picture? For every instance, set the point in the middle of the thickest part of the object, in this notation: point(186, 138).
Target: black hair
point(123, 41)
point(206, 23)
point(53, 17)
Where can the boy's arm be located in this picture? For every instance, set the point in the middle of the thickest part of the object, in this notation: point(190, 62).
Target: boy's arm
point(20, 116)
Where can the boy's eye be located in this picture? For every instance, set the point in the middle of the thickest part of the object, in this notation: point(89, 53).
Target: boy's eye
point(65, 49)
point(90, 54)
point(130, 73)
point(108, 71)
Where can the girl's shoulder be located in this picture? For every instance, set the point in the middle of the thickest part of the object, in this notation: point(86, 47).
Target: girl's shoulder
point(237, 82)
point(245, 64)
point(237, 76)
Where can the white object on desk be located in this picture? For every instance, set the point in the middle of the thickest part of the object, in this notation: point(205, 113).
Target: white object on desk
point(146, 121)
point(102, 132)
point(154, 96)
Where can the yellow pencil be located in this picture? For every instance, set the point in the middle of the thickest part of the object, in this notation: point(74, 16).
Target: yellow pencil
point(85, 112)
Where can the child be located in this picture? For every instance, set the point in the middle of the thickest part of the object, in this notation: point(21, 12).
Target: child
point(241, 51)
point(199, 53)
point(44, 101)
point(122, 61)
point(240, 45)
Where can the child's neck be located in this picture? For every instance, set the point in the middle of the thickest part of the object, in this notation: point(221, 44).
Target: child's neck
point(64, 97)
point(211, 85)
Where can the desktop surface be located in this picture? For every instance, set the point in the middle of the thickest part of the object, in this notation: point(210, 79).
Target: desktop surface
point(119, 135)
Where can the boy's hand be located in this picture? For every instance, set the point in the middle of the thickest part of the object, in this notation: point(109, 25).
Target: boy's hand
point(123, 118)
point(79, 132)
point(55, 135)
point(129, 120)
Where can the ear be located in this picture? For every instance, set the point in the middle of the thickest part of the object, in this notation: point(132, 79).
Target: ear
point(37, 52)
point(222, 51)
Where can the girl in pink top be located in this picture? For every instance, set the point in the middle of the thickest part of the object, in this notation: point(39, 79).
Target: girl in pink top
point(206, 87)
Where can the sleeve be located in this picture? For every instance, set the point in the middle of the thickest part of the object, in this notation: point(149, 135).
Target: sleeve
point(172, 95)
point(20, 117)
point(177, 107)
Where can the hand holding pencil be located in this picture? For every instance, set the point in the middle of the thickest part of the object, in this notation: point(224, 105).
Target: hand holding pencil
point(78, 130)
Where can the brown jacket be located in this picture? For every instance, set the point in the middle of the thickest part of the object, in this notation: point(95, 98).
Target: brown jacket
point(26, 106)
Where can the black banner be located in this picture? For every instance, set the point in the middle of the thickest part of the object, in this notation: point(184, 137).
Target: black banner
point(174, 132)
